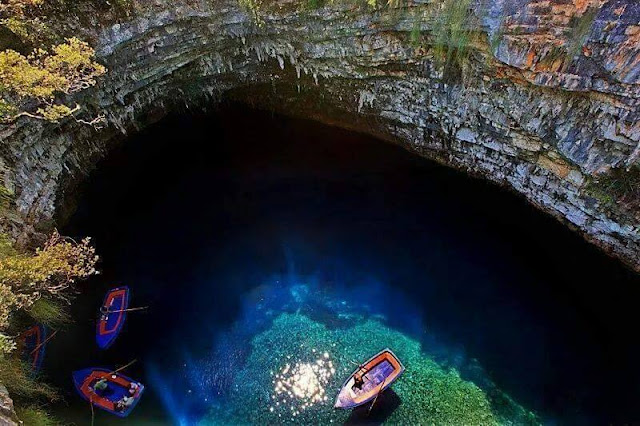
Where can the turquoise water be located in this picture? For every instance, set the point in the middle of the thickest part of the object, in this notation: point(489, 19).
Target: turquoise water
point(296, 344)
point(275, 253)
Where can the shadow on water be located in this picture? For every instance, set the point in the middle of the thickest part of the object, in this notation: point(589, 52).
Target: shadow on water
point(198, 213)
point(387, 403)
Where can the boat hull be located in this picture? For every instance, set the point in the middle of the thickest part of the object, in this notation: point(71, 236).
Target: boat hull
point(110, 324)
point(378, 373)
point(117, 387)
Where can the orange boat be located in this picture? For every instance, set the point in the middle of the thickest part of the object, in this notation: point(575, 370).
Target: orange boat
point(371, 378)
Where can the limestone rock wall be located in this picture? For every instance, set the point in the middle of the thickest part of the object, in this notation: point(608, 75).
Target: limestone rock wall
point(7, 414)
point(546, 98)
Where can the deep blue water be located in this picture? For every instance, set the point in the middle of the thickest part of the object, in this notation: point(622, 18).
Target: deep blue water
point(201, 213)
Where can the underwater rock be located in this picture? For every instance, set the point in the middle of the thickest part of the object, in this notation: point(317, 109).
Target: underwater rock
point(297, 366)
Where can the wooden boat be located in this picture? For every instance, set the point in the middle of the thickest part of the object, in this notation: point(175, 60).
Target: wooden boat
point(32, 344)
point(118, 386)
point(377, 374)
point(113, 313)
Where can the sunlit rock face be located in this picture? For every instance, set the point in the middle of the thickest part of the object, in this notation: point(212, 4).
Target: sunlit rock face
point(528, 107)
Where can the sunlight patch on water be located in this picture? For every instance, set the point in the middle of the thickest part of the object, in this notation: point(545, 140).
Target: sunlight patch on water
point(302, 384)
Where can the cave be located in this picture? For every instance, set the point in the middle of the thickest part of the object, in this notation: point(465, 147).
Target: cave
point(289, 188)
point(228, 221)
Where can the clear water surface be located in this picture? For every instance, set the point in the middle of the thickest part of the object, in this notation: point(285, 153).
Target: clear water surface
point(274, 253)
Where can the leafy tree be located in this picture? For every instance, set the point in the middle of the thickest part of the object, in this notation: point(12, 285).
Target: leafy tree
point(32, 84)
point(22, 17)
point(49, 273)
point(40, 76)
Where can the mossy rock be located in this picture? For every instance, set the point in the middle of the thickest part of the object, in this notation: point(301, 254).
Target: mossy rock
point(425, 394)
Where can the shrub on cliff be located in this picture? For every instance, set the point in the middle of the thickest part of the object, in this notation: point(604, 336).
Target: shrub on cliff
point(35, 416)
point(16, 376)
point(618, 186)
point(26, 279)
point(34, 84)
point(38, 78)
point(34, 287)
point(452, 32)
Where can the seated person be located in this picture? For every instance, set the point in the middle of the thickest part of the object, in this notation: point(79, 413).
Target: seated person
point(104, 313)
point(133, 388)
point(124, 403)
point(101, 385)
point(358, 381)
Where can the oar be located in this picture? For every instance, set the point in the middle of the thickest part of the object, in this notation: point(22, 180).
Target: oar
point(376, 398)
point(92, 413)
point(128, 310)
point(360, 367)
point(43, 343)
point(123, 367)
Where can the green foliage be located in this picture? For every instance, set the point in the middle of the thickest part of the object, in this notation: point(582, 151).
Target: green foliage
point(26, 78)
point(16, 376)
point(49, 312)
point(22, 18)
point(452, 32)
point(580, 28)
point(35, 416)
point(7, 344)
point(19, 9)
point(30, 84)
point(34, 285)
point(314, 4)
point(5, 197)
point(416, 34)
point(6, 247)
point(253, 7)
point(618, 186)
point(40, 76)
point(27, 280)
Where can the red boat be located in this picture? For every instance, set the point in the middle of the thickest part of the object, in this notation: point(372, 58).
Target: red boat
point(119, 388)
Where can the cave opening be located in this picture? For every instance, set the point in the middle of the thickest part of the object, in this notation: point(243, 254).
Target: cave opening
point(235, 225)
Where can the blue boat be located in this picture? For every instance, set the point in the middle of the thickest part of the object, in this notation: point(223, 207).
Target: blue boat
point(32, 344)
point(113, 314)
point(118, 387)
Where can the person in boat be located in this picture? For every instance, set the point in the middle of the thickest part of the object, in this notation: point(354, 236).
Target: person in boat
point(101, 385)
point(104, 312)
point(124, 403)
point(133, 388)
point(358, 381)
point(358, 378)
